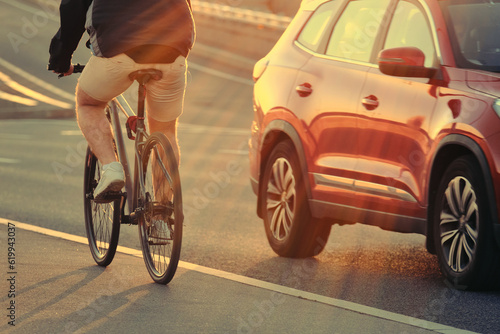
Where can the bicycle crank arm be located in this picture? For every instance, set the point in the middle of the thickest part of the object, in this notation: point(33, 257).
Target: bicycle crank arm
point(133, 218)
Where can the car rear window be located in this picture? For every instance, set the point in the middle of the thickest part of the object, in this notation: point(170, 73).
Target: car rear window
point(355, 32)
point(312, 32)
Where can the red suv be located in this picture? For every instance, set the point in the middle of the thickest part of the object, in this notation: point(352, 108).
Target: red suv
point(384, 112)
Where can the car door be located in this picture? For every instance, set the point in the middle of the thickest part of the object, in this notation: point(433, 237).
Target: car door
point(394, 116)
point(328, 87)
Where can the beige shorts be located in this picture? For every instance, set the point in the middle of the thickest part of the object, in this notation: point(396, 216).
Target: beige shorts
point(105, 78)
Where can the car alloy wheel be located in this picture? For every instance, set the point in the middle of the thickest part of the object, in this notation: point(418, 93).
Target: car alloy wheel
point(281, 197)
point(459, 224)
point(290, 228)
point(464, 239)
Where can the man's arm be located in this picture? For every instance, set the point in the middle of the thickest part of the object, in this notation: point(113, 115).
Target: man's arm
point(73, 15)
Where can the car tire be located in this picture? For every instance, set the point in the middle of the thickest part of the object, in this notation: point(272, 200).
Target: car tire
point(463, 232)
point(290, 228)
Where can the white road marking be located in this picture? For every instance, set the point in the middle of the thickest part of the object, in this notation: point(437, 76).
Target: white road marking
point(45, 85)
point(235, 152)
point(346, 305)
point(196, 128)
point(18, 99)
point(9, 161)
point(220, 74)
point(31, 93)
point(71, 133)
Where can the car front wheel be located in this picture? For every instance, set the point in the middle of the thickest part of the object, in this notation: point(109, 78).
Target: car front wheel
point(290, 228)
point(463, 229)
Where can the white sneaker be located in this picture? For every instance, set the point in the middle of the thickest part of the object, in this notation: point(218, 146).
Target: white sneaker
point(112, 180)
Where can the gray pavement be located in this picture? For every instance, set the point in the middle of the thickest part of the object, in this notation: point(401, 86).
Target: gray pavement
point(59, 289)
point(56, 287)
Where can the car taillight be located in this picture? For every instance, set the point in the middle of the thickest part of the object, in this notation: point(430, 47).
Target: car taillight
point(259, 69)
point(496, 106)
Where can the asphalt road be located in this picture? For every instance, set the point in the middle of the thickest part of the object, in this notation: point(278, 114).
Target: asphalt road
point(41, 169)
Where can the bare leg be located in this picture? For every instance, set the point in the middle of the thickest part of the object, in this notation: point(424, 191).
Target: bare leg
point(162, 191)
point(169, 129)
point(95, 127)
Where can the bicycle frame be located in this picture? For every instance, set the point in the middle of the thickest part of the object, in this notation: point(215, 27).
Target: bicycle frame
point(160, 220)
point(117, 105)
point(141, 136)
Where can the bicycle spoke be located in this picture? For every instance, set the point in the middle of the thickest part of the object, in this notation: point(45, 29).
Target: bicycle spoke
point(102, 220)
point(160, 230)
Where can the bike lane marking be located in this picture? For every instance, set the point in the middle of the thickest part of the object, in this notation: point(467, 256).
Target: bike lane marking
point(35, 80)
point(17, 99)
point(346, 305)
point(9, 161)
point(31, 93)
point(220, 74)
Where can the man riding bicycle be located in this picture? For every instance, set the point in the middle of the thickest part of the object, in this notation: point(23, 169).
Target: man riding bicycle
point(125, 36)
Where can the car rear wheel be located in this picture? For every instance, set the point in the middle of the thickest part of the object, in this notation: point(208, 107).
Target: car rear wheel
point(464, 240)
point(290, 229)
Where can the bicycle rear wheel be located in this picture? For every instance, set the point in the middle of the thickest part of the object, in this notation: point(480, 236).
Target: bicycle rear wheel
point(160, 225)
point(102, 220)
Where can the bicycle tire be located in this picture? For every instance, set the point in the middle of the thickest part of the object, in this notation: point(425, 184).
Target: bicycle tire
point(102, 220)
point(160, 224)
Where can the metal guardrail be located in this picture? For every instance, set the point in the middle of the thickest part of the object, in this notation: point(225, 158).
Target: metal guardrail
point(247, 16)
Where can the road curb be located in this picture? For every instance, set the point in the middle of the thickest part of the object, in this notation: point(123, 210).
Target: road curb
point(37, 114)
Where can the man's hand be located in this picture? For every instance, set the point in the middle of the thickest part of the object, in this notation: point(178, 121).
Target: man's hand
point(69, 72)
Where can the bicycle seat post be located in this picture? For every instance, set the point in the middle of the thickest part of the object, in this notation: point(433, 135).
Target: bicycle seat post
point(142, 77)
point(141, 101)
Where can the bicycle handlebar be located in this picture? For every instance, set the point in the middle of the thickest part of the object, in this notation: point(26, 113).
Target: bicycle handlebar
point(76, 69)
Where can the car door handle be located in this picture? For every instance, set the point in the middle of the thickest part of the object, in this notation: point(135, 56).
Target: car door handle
point(304, 90)
point(370, 102)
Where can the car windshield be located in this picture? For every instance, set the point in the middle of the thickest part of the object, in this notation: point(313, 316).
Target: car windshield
point(474, 27)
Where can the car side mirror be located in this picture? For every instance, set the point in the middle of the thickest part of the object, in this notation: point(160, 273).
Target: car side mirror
point(404, 62)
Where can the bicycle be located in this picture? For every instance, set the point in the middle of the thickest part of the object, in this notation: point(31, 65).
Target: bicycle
point(159, 218)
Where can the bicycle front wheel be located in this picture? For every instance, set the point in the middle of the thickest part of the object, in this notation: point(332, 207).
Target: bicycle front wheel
point(102, 220)
point(160, 224)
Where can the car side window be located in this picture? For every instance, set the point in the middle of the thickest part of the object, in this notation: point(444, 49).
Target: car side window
point(409, 27)
point(311, 35)
point(354, 34)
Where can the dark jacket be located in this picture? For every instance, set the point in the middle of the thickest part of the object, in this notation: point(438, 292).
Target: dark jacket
point(119, 26)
